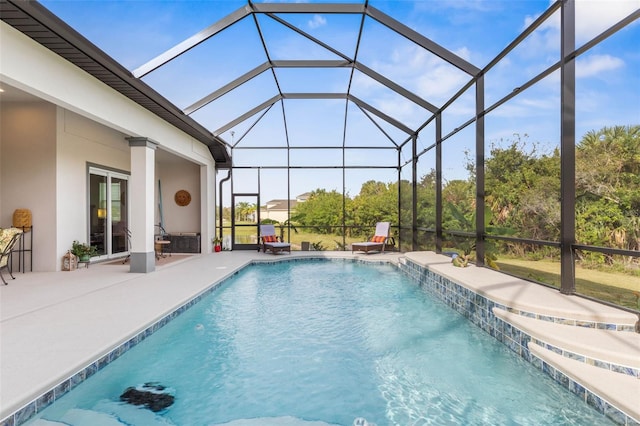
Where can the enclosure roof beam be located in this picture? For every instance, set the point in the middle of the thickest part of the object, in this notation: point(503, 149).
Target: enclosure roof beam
point(380, 114)
point(247, 114)
point(192, 41)
point(227, 88)
point(311, 63)
point(308, 36)
point(314, 96)
point(365, 106)
point(395, 87)
point(341, 8)
point(422, 41)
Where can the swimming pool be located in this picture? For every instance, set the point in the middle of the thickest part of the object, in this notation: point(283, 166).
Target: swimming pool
point(323, 342)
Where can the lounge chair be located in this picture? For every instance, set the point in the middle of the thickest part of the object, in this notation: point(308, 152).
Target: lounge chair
point(270, 241)
point(8, 238)
point(380, 241)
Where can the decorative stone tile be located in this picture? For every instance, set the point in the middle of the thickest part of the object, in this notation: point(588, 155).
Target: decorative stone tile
point(8, 421)
point(624, 370)
point(562, 379)
point(606, 326)
point(602, 364)
point(537, 362)
point(62, 388)
point(578, 389)
point(565, 321)
point(76, 379)
point(595, 401)
point(614, 414)
point(574, 356)
point(25, 413)
point(586, 324)
point(45, 400)
point(632, 422)
point(545, 318)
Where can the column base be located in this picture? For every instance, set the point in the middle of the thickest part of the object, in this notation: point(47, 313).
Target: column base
point(142, 262)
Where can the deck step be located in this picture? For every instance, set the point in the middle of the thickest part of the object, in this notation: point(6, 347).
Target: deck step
point(618, 390)
point(526, 297)
point(616, 351)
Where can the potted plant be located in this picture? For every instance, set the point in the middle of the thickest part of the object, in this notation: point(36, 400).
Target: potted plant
point(83, 251)
point(217, 244)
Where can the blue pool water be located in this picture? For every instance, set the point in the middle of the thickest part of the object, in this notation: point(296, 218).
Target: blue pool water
point(323, 343)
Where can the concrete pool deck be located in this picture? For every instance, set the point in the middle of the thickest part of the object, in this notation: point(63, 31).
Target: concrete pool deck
point(54, 324)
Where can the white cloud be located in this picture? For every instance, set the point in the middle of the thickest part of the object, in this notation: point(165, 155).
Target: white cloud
point(596, 64)
point(424, 73)
point(317, 21)
point(595, 16)
point(592, 17)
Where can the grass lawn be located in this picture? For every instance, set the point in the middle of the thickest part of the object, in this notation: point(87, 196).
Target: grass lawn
point(329, 242)
point(615, 288)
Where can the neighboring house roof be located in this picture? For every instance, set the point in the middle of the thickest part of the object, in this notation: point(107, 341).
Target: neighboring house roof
point(279, 205)
point(38, 23)
point(284, 204)
point(303, 197)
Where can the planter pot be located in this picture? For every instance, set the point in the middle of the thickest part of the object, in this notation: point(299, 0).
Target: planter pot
point(85, 258)
point(217, 248)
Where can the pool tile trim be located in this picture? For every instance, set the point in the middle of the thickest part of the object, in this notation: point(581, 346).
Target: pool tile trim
point(478, 309)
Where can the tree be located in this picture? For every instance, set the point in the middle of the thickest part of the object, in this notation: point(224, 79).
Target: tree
point(461, 195)
point(426, 201)
point(608, 188)
point(323, 211)
point(376, 202)
point(522, 189)
point(244, 210)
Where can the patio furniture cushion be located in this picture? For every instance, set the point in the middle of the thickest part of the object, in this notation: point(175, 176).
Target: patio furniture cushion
point(269, 240)
point(379, 242)
point(8, 239)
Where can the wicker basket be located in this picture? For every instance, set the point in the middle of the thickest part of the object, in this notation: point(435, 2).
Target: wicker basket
point(22, 219)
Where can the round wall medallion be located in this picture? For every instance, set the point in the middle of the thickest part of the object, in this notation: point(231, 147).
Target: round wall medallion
point(183, 198)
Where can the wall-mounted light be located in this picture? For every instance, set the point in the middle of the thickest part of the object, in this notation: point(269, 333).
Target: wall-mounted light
point(102, 213)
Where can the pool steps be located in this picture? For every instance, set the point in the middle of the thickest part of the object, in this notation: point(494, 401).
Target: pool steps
point(594, 353)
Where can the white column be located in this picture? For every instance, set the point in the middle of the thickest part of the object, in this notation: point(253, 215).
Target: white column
point(207, 207)
point(142, 204)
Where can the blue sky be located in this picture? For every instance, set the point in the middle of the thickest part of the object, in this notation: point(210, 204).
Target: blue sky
point(607, 87)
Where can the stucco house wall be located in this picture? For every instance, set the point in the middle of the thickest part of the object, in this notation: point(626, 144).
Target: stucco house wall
point(28, 173)
point(175, 176)
point(45, 149)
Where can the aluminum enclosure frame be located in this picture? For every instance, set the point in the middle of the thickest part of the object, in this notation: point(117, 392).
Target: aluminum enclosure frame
point(38, 23)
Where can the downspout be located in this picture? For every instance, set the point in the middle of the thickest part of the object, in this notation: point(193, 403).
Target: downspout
point(220, 198)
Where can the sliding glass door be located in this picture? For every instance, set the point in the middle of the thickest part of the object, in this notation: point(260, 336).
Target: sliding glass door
point(108, 212)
